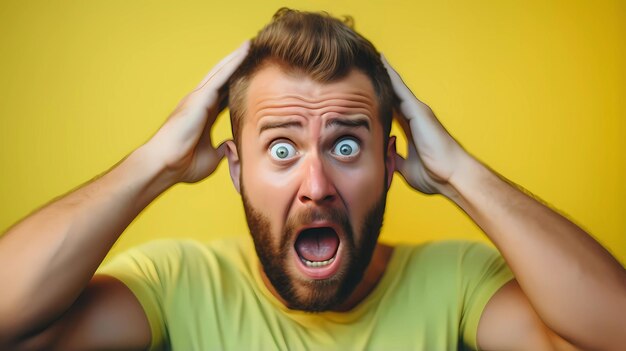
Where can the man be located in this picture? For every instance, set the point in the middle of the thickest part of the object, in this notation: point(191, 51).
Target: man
point(311, 105)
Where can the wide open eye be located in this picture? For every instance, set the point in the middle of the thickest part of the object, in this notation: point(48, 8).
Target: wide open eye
point(282, 151)
point(346, 147)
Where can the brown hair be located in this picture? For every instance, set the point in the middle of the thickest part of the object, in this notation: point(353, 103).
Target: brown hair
point(324, 48)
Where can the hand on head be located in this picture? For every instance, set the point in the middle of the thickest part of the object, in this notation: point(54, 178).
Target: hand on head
point(183, 143)
point(433, 155)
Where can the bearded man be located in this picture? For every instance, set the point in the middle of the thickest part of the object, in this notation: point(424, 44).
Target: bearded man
point(311, 105)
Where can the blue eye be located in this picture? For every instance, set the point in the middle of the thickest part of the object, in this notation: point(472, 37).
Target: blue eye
point(346, 147)
point(282, 151)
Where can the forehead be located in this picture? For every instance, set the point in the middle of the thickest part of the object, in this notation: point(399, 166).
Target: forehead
point(276, 92)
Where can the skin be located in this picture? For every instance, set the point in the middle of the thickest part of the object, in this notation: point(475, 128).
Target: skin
point(293, 111)
point(569, 293)
point(60, 246)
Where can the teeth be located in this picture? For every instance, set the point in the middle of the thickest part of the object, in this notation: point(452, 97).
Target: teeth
point(316, 263)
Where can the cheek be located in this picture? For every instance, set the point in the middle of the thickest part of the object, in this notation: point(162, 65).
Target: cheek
point(268, 190)
point(360, 188)
point(272, 187)
point(273, 191)
point(262, 184)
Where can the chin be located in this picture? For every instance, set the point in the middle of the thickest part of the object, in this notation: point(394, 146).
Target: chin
point(317, 261)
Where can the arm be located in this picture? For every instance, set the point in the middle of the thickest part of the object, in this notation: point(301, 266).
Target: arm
point(568, 289)
point(58, 248)
point(575, 286)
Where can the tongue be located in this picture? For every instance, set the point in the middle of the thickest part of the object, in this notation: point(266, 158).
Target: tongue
point(317, 244)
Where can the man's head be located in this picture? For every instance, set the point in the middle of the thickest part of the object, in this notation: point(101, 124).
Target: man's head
point(316, 45)
point(311, 111)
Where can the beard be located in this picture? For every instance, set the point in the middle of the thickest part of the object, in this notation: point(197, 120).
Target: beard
point(315, 295)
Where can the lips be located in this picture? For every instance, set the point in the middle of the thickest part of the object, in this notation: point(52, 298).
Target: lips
point(317, 251)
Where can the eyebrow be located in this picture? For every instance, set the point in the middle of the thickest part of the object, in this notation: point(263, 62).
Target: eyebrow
point(353, 123)
point(274, 125)
point(335, 122)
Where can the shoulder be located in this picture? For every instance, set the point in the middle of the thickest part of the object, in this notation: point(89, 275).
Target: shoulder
point(176, 248)
point(446, 253)
point(168, 258)
point(434, 263)
point(454, 263)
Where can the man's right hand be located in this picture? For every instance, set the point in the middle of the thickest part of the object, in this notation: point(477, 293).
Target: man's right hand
point(51, 299)
point(183, 143)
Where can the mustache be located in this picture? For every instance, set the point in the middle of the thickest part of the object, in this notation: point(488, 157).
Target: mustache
point(318, 214)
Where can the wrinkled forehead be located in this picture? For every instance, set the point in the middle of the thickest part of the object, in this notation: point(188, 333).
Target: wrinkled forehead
point(275, 92)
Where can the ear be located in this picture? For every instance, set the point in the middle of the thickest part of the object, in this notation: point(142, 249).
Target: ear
point(390, 159)
point(234, 164)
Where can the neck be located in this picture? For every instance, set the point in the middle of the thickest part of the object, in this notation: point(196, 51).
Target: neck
point(374, 272)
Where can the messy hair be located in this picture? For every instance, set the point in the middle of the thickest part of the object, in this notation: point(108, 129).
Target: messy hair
point(322, 47)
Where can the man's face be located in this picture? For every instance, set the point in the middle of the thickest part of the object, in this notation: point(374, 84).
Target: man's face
point(314, 178)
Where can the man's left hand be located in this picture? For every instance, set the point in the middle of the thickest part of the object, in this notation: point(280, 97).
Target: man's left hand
point(434, 157)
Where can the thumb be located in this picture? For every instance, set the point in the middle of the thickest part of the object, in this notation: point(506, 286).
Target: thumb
point(400, 165)
point(220, 151)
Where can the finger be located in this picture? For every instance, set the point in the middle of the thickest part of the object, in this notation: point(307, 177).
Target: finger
point(400, 164)
point(205, 137)
point(206, 95)
point(220, 151)
point(403, 122)
point(401, 90)
point(214, 80)
point(410, 106)
point(224, 69)
point(208, 157)
point(406, 129)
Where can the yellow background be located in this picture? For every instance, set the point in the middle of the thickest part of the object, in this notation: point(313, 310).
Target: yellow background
point(536, 89)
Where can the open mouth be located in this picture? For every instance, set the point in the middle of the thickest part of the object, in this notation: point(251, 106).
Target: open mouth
point(317, 250)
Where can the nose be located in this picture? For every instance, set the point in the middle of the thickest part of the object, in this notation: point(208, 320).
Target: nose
point(316, 187)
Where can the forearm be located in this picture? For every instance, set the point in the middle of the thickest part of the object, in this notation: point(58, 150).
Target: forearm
point(48, 258)
point(577, 288)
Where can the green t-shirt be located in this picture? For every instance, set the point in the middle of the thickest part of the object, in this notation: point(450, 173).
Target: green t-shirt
point(210, 296)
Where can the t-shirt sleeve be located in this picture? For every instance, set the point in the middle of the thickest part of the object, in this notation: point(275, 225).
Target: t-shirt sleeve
point(147, 271)
point(483, 272)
